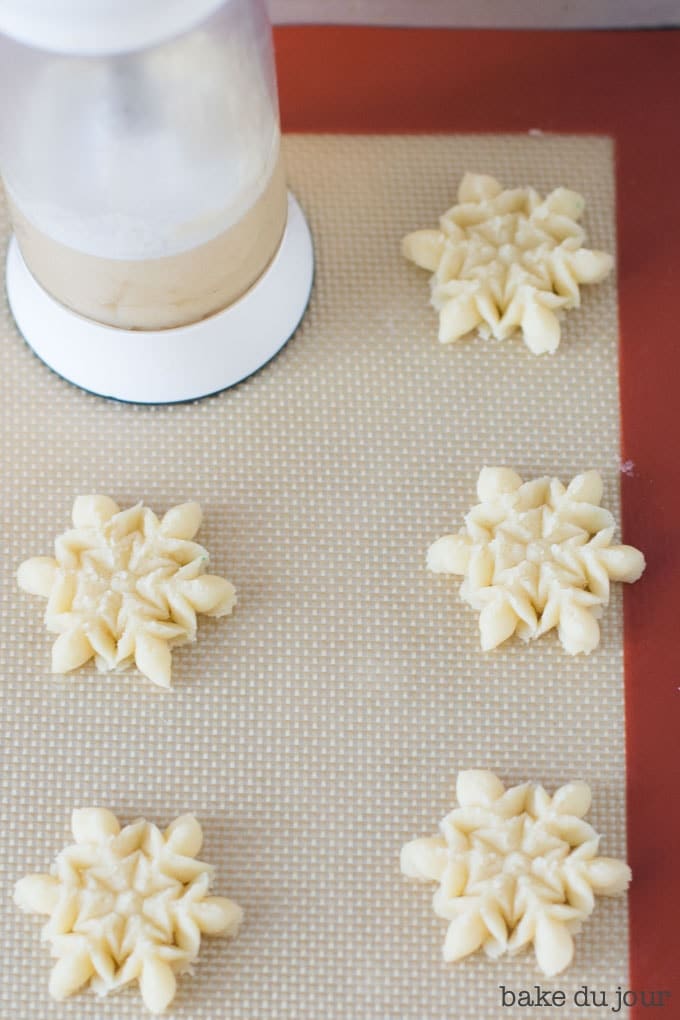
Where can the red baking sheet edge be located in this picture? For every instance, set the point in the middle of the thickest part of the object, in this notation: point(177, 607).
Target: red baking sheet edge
point(626, 85)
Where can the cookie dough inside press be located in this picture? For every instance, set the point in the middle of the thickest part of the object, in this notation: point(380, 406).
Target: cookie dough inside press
point(124, 587)
point(505, 260)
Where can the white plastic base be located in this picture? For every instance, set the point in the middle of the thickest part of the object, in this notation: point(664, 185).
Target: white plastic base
point(170, 365)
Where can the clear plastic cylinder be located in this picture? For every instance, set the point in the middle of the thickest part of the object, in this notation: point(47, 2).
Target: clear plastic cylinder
point(146, 188)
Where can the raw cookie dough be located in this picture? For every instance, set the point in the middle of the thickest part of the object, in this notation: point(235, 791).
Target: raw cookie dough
point(126, 905)
point(515, 866)
point(124, 586)
point(507, 260)
point(536, 555)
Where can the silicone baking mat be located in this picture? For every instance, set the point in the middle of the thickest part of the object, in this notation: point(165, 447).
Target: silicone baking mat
point(322, 726)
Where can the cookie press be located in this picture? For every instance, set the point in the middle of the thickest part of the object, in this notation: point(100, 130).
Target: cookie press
point(157, 253)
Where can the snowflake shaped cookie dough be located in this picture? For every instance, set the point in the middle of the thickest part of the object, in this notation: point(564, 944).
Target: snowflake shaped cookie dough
point(514, 867)
point(537, 555)
point(507, 260)
point(124, 586)
point(126, 905)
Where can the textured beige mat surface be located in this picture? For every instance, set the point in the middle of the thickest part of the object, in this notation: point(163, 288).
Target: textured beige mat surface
point(321, 726)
